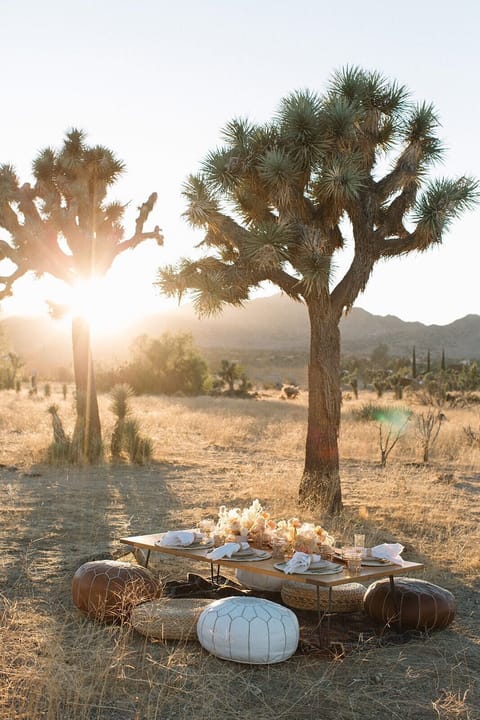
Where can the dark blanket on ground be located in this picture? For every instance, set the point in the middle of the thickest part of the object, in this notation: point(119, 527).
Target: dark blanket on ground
point(341, 634)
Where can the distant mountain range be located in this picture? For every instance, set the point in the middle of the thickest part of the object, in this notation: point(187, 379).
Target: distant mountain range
point(274, 323)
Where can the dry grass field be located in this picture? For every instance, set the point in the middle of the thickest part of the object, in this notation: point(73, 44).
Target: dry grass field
point(57, 665)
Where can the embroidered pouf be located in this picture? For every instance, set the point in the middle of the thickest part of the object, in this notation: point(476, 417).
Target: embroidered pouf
point(416, 605)
point(345, 598)
point(169, 619)
point(248, 630)
point(107, 590)
point(256, 581)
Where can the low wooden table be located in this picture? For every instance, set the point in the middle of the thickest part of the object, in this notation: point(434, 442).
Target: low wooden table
point(266, 567)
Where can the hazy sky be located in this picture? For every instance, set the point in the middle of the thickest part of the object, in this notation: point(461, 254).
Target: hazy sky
point(155, 81)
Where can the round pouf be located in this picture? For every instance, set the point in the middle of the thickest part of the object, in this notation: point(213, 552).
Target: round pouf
point(256, 581)
point(248, 630)
point(169, 619)
point(108, 589)
point(345, 598)
point(418, 605)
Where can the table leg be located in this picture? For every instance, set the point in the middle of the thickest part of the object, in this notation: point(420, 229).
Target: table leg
point(147, 558)
point(395, 602)
point(329, 614)
point(321, 614)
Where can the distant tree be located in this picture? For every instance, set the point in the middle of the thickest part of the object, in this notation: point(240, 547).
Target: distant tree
point(414, 363)
point(380, 356)
point(63, 225)
point(229, 373)
point(10, 364)
point(443, 365)
point(428, 362)
point(168, 364)
point(279, 200)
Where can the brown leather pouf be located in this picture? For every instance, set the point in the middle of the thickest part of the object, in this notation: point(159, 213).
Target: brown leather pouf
point(417, 604)
point(107, 590)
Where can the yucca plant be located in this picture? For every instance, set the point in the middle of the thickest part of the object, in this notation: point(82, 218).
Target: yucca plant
point(120, 396)
point(278, 202)
point(60, 450)
point(139, 448)
point(126, 432)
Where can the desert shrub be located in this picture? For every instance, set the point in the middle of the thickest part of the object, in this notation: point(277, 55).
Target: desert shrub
point(139, 448)
point(391, 422)
point(58, 453)
point(427, 429)
point(167, 365)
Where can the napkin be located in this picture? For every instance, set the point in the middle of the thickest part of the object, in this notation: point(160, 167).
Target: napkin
point(388, 551)
point(227, 550)
point(300, 562)
point(174, 538)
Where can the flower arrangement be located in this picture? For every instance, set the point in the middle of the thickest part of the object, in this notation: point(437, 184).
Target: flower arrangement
point(245, 522)
point(302, 536)
point(256, 524)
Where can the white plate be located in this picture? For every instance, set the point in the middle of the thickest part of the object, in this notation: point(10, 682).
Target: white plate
point(333, 568)
point(256, 555)
point(375, 562)
point(193, 546)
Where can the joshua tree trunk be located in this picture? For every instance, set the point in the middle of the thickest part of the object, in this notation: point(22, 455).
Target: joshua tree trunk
point(87, 435)
point(320, 484)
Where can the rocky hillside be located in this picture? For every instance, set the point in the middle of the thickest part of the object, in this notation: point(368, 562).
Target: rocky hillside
point(275, 323)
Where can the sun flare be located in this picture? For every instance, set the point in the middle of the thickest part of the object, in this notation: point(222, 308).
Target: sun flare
point(107, 304)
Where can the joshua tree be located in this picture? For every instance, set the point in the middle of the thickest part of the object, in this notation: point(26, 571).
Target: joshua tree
point(64, 226)
point(279, 201)
point(230, 372)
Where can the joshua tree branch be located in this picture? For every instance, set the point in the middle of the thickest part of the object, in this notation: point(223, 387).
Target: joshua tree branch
point(6, 281)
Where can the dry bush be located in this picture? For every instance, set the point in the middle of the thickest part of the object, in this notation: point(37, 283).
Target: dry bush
point(55, 664)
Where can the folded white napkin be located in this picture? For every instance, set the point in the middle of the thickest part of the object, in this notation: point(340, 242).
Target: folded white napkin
point(183, 538)
point(388, 551)
point(227, 550)
point(300, 562)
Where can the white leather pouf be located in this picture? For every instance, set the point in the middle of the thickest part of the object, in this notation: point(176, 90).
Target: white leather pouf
point(256, 581)
point(248, 630)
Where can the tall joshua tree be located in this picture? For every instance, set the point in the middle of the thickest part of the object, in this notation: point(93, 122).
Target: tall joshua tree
point(63, 225)
point(278, 201)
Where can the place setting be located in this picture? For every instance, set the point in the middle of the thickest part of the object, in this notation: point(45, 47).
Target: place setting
point(239, 551)
point(193, 539)
point(308, 564)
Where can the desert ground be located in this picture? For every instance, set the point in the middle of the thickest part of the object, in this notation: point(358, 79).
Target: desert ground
point(59, 665)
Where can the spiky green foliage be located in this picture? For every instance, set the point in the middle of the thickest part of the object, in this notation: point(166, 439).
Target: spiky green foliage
point(64, 224)
point(274, 198)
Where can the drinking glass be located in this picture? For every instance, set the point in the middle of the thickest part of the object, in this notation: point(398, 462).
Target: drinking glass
point(353, 556)
point(279, 546)
point(359, 540)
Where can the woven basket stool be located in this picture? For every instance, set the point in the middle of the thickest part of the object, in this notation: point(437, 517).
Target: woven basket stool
point(169, 619)
point(345, 598)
